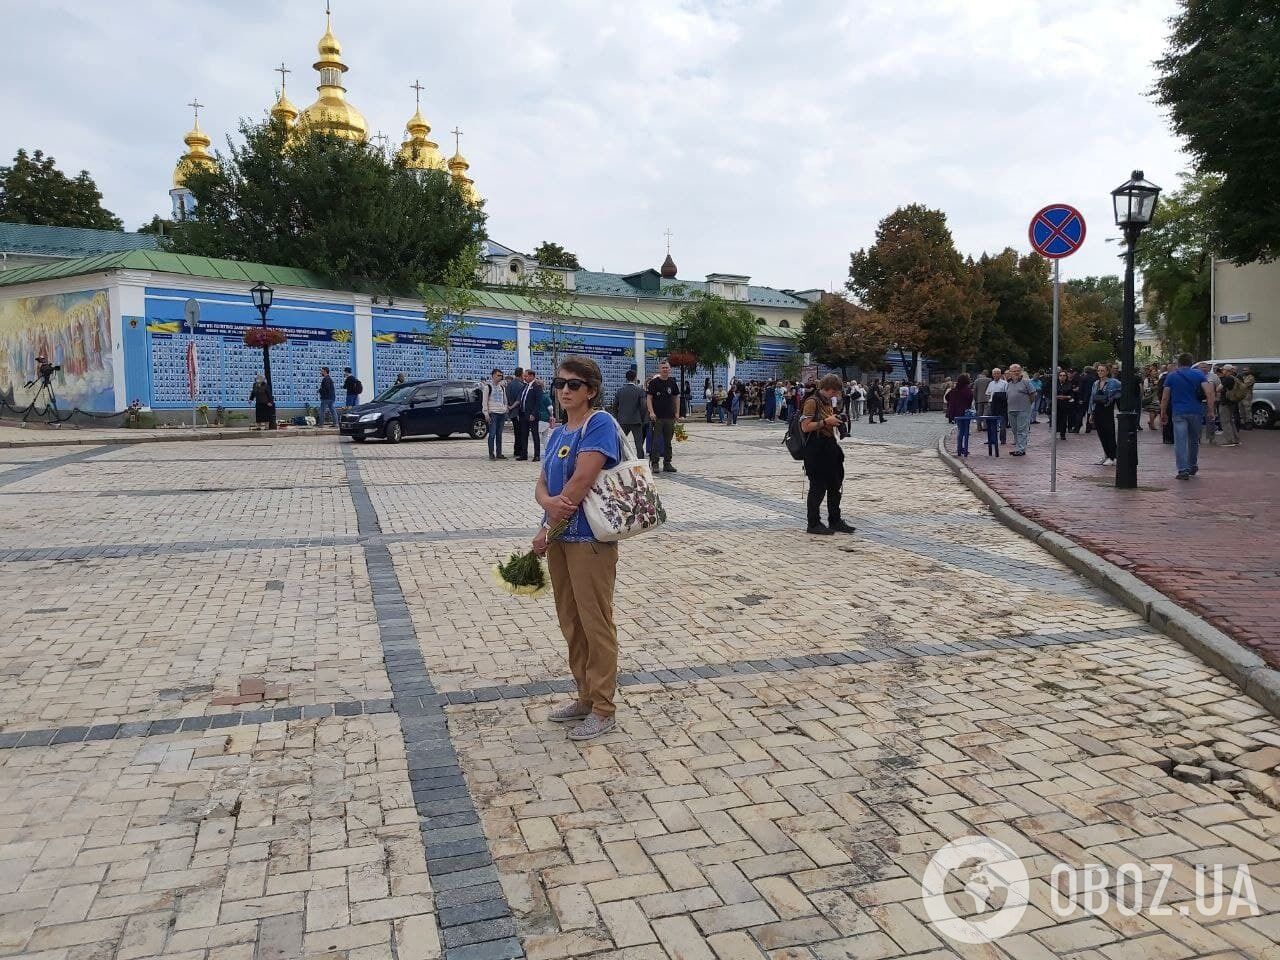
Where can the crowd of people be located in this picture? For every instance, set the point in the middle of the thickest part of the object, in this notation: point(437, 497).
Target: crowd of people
point(775, 400)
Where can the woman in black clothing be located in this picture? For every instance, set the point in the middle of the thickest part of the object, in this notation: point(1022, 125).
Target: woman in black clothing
point(264, 405)
point(1066, 400)
point(875, 402)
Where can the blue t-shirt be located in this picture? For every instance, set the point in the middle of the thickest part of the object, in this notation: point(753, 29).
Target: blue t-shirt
point(599, 434)
point(1186, 390)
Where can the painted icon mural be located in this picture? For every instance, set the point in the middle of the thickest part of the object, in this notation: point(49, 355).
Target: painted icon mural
point(74, 331)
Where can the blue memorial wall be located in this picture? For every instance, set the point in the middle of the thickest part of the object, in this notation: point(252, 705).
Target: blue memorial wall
point(319, 334)
point(401, 345)
point(613, 350)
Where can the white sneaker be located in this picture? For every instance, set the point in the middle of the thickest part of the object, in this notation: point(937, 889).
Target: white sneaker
point(569, 713)
point(1108, 463)
point(1101, 463)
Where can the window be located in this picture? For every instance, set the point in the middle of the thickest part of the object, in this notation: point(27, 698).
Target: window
point(785, 323)
point(427, 395)
point(516, 267)
point(1263, 372)
point(456, 395)
point(760, 320)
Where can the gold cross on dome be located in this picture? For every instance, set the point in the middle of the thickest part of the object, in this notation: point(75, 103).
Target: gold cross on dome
point(417, 89)
point(282, 70)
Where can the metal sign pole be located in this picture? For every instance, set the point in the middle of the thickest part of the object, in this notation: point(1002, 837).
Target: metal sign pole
point(1053, 385)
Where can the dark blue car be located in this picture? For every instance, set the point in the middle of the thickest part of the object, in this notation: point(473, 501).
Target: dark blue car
point(419, 408)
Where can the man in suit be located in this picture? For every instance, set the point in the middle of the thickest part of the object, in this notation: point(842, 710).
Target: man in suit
point(527, 424)
point(515, 387)
point(631, 402)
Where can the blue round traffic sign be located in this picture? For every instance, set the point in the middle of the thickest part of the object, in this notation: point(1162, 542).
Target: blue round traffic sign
point(1057, 231)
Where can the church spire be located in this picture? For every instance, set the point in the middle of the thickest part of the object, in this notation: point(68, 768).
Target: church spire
point(458, 168)
point(284, 112)
point(331, 113)
point(668, 270)
point(419, 152)
point(196, 158)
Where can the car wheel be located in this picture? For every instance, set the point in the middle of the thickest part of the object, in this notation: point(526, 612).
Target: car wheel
point(394, 432)
point(479, 428)
point(1263, 416)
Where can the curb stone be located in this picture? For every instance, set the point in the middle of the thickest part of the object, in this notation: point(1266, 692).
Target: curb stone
point(178, 437)
point(1241, 666)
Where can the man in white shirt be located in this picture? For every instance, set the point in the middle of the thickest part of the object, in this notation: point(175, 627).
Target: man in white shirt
point(495, 406)
point(998, 401)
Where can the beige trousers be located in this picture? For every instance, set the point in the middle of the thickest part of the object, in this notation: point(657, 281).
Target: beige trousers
point(583, 576)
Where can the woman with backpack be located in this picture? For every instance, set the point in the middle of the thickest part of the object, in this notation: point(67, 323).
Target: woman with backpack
point(823, 458)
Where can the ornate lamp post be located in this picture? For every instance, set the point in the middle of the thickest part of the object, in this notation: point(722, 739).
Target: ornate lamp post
point(262, 295)
point(681, 334)
point(1135, 203)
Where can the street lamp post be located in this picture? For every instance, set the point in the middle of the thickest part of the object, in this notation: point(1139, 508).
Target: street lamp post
point(1135, 203)
point(262, 295)
point(682, 334)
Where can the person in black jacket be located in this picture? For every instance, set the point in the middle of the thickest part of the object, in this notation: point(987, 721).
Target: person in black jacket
point(351, 387)
point(527, 422)
point(327, 395)
point(823, 458)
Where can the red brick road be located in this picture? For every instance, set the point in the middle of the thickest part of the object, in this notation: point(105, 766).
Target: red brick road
point(1212, 543)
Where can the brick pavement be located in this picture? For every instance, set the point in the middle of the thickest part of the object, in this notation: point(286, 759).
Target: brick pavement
point(803, 722)
point(1209, 543)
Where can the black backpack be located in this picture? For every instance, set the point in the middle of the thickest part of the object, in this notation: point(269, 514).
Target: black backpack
point(795, 438)
point(359, 387)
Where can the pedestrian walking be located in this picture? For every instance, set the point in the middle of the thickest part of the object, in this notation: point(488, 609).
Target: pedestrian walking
point(998, 401)
point(1020, 403)
point(1182, 402)
point(664, 397)
point(327, 395)
point(631, 406)
point(823, 457)
point(515, 388)
point(1213, 393)
point(495, 408)
point(1102, 407)
point(1230, 392)
point(959, 400)
point(583, 570)
point(264, 404)
point(875, 402)
point(352, 387)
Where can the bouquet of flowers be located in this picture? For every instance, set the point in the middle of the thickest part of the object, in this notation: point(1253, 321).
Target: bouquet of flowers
point(681, 434)
point(523, 575)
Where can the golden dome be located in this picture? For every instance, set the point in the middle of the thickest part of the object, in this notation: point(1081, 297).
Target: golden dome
point(458, 168)
point(197, 155)
point(284, 111)
point(331, 113)
point(419, 152)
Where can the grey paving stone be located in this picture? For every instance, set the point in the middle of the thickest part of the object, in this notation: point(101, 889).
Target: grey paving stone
point(506, 949)
point(480, 931)
point(472, 912)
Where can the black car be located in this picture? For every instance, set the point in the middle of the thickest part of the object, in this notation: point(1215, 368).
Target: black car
point(419, 408)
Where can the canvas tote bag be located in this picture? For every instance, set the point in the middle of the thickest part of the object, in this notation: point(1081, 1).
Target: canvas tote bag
point(623, 502)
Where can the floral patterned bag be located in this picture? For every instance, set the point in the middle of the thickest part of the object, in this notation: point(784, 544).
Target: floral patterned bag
point(623, 502)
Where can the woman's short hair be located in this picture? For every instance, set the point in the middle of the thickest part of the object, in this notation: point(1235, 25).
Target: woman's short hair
point(831, 381)
point(962, 380)
point(585, 369)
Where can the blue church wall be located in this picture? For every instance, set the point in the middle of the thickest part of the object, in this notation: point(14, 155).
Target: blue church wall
point(319, 334)
point(766, 365)
point(613, 350)
point(401, 345)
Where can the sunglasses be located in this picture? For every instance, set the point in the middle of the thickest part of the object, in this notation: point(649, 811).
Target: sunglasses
point(575, 384)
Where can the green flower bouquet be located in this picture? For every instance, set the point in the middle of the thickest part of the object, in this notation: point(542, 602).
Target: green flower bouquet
point(523, 574)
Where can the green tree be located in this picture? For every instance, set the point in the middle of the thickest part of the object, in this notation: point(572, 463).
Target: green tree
point(159, 226)
point(1220, 80)
point(550, 254)
point(551, 300)
point(325, 204)
point(841, 334)
point(446, 304)
point(1018, 325)
point(916, 280)
point(718, 330)
point(33, 190)
point(1175, 260)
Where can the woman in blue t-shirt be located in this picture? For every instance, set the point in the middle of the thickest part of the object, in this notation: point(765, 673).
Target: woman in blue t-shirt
point(583, 570)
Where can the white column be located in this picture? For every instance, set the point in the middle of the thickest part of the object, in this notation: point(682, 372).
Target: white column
point(640, 351)
point(127, 299)
point(523, 358)
point(363, 334)
point(732, 368)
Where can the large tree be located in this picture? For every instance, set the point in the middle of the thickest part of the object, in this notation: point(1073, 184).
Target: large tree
point(1018, 308)
point(1175, 261)
point(550, 254)
point(841, 334)
point(33, 190)
point(1220, 80)
point(325, 204)
point(916, 280)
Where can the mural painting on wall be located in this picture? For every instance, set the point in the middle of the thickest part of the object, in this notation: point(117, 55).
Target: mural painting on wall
point(74, 331)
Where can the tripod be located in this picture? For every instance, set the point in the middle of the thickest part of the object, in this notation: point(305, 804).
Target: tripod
point(50, 403)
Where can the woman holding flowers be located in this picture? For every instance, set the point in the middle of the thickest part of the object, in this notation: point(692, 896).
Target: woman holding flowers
point(583, 569)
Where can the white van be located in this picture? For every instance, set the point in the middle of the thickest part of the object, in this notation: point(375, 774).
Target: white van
point(1265, 411)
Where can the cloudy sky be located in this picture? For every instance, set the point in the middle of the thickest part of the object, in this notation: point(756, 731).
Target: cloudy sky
point(769, 136)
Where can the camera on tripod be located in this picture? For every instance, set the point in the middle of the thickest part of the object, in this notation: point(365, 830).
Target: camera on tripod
point(44, 371)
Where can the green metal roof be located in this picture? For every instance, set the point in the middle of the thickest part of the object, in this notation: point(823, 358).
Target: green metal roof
point(44, 241)
point(235, 270)
point(598, 283)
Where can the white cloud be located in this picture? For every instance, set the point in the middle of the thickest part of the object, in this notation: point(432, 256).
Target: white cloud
point(771, 137)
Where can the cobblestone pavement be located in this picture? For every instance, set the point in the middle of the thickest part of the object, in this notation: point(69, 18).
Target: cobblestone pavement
point(260, 700)
point(1209, 543)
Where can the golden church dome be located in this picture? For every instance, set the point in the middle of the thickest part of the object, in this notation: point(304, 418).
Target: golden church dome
point(331, 113)
point(283, 111)
point(419, 152)
point(197, 155)
point(458, 168)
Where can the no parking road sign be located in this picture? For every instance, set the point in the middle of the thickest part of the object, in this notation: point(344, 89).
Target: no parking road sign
point(1057, 231)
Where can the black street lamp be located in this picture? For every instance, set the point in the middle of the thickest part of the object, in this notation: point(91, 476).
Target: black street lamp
point(682, 334)
point(262, 295)
point(1135, 203)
